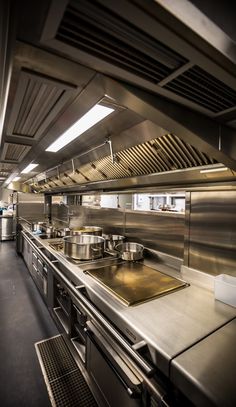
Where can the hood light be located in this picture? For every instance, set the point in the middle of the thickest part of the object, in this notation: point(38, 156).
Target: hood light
point(29, 168)
point(16, 179)
point(11, 178)
point(214, 170)
point(92, 117)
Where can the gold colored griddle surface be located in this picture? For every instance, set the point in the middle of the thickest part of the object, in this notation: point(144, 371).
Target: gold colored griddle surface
point(134, 283)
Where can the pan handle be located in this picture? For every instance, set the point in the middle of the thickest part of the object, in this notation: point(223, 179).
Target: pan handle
point(95, 249)
point(113, 253)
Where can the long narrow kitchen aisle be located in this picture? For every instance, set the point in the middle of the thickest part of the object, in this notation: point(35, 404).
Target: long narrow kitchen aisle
point(24, 320)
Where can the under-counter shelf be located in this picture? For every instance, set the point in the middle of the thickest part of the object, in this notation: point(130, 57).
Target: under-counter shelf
point(62, 318)
point(80, 347)
point(62, 306)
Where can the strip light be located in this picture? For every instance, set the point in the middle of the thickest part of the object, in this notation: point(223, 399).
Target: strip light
point(214, 170)
point(16, 179)
point(92, 117)
point(29, 168)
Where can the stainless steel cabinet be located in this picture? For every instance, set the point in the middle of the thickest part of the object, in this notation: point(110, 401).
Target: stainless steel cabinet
point(6, 227)
point(27, 254)
point(25, 250)
point(36, 266)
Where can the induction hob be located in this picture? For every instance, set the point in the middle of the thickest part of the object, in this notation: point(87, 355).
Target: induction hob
point(134, 283)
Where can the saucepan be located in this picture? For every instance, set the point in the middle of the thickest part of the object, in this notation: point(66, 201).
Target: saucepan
point(130, 251)
point(111, 241)
point(84, 247)
point(38, 226)
point(50, 231)
point(64, 232)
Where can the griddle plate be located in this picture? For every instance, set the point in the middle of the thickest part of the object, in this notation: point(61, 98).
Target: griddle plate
point(134, 283)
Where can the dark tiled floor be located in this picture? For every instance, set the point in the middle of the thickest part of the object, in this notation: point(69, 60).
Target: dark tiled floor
point(24, 320)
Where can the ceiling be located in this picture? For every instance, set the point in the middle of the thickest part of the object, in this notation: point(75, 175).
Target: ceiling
point(167, 68)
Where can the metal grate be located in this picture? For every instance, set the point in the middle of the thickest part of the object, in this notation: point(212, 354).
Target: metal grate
point(72, 390)
point(14, 152)
point(162, 154)
point(63, 378)
point(90, 27)
point(6, 167)
point(202, 88)
point(38, 100)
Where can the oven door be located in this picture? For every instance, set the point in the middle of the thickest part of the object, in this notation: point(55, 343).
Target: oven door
point(118, 383)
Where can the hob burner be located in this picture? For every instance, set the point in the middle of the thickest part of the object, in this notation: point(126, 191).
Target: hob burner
point(58, 246)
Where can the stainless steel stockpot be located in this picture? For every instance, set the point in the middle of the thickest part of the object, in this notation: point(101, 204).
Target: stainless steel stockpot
point(87, 230)
point(84, 247)
point(130, 251)
point(38, 226)
point(64, 232)
point(113, 240)
point(50, 231)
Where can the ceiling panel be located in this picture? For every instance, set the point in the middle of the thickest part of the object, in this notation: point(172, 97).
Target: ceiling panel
point(14, 152)
point(105, 33)
point(90, 27)
point(7, 167)
point(37, 102)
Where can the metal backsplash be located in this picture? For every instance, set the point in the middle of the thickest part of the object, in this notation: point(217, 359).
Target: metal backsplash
point(212, 232)
point(158, 231)
point(30, 207)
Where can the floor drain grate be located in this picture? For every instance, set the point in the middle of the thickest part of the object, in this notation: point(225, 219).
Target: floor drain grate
point(65, 383)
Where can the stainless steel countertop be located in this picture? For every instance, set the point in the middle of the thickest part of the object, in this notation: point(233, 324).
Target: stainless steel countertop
point(169, 324)
point(206, 372)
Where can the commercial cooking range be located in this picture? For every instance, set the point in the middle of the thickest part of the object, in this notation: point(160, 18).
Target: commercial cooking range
point(130, 282)
point(102, 306)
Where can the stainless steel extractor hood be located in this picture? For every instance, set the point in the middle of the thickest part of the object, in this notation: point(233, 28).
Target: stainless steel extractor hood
point(174, 93)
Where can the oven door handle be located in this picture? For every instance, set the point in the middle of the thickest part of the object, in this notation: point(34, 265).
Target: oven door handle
point(132, 392)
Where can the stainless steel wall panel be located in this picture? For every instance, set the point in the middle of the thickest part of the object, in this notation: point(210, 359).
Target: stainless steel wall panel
point(158, 231)
point(111, 220)
point(30, 206)
point(60, 215)
point(212, 232)
point(31, 210)
point(187, 227)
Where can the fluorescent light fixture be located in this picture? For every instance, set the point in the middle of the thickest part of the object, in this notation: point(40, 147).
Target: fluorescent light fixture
point(16, 179)
point(92, 117)
point(214, 170)
point(29, 168)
